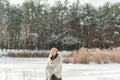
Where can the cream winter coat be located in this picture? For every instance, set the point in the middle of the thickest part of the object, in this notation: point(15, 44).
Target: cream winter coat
point(54, 67)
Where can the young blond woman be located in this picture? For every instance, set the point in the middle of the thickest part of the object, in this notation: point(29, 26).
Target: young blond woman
point(54, 65)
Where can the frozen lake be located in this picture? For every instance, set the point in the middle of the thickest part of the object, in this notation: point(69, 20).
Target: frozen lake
point(34, 69)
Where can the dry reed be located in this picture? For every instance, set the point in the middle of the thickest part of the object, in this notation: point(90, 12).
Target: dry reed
point(96, 55)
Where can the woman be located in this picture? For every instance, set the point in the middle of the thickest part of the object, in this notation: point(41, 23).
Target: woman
point(54, 66)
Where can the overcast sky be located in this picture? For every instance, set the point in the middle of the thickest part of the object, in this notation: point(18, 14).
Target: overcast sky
point(93, 2)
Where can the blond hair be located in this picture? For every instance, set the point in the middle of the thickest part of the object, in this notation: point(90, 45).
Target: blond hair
point(54, 49)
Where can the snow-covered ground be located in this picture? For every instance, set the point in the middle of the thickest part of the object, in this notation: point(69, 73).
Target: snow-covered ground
point(34, 69)
point(4, 52)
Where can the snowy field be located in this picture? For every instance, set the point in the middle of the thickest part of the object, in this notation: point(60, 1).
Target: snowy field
point(4, 52)
point(34, 69)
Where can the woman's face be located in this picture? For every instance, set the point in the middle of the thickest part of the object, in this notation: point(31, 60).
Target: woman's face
point(53, 52)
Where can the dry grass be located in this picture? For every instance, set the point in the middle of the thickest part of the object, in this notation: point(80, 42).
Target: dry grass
point(99, 56)
point(81, 57)
point(27, 54)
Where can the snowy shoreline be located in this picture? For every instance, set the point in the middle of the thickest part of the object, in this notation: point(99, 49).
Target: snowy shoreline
point(4, 52)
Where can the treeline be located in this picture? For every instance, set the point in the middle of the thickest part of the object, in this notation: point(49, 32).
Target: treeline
point(38, 25)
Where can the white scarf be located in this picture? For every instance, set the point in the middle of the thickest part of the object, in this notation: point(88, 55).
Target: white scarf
point(54, 67)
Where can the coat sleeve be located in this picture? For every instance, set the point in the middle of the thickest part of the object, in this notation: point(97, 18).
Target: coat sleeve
point(49, 71)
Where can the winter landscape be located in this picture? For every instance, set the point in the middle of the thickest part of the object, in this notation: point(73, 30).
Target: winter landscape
point(86, 33)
